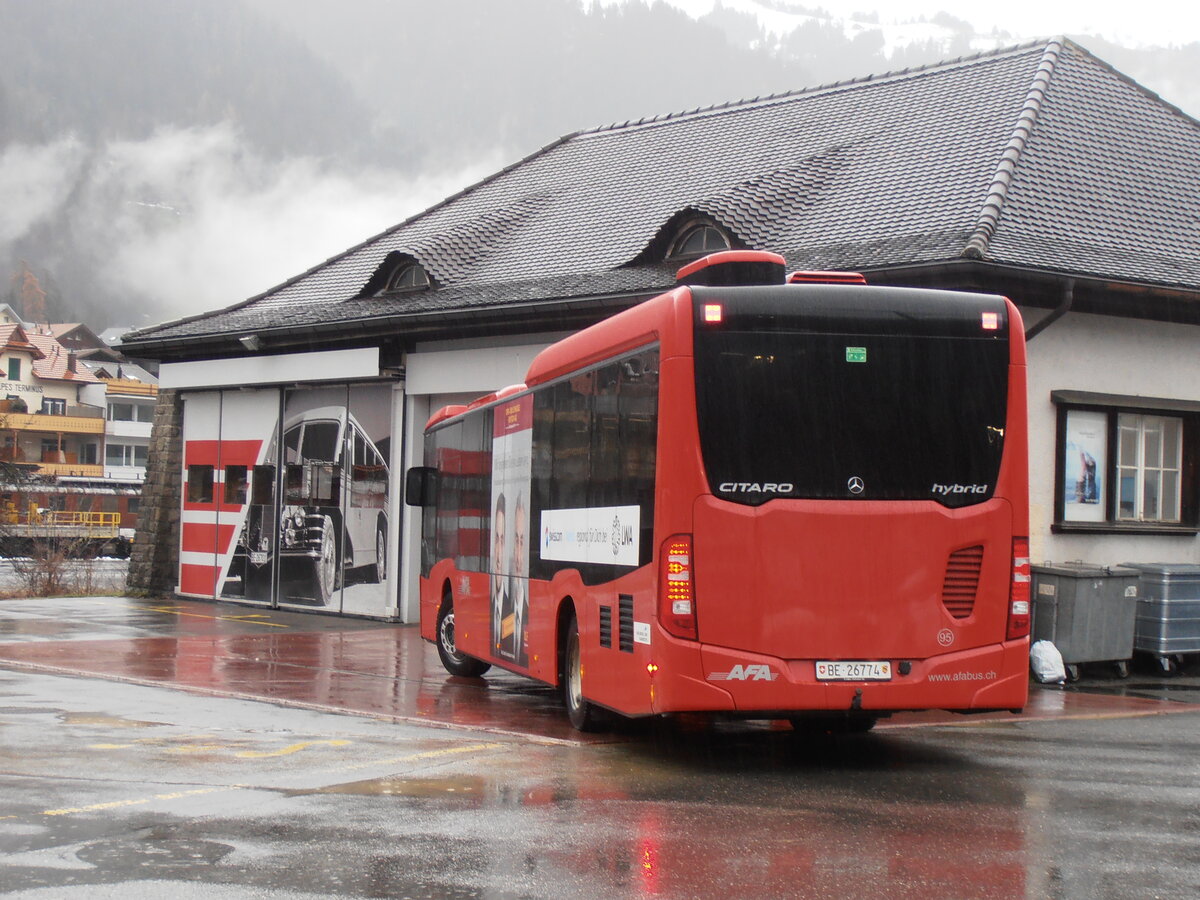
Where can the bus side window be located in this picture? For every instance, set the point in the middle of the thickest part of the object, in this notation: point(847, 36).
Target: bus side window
point(572, 442)
point(475, 492)
point(448, 454)
point(429, 515)
point(606, 471)
point(639, 439)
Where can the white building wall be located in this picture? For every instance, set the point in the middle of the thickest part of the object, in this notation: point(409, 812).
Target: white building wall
point(1108, 355)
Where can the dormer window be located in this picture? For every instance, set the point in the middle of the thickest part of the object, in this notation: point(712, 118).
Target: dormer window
point(699, 239)
point(409, 276)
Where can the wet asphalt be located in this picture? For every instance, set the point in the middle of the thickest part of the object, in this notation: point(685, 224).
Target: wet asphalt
point(203, 750)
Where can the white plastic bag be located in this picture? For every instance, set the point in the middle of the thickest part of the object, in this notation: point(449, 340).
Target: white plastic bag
point(1047, 663)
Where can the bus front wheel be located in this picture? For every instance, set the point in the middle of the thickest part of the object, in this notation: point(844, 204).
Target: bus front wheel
point(456, 663)
point(584, 716)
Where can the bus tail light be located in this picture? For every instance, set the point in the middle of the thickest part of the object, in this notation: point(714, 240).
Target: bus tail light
point(677, 606)
point(1019, 595)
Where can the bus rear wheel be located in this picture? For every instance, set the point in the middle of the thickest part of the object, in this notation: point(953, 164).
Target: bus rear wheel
point(456, 663)
point(584, 716)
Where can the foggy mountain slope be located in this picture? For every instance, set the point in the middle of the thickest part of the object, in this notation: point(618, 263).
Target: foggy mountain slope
point(835, 48)
point(469, 76)
point(122, 69)
point(1168, 71)
point(161, 158)
point(176, 156)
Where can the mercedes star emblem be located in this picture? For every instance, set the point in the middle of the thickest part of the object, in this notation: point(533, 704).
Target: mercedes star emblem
point(855, 485)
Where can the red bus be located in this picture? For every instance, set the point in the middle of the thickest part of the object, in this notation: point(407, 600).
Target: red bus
point(758, 496)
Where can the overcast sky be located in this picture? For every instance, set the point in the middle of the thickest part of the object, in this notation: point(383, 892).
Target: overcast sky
point(1147, 23)
point(199, 208)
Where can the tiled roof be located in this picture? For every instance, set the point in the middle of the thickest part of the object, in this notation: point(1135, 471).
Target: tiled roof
point(13, 337)
point(1040, 157)
point(55, 362)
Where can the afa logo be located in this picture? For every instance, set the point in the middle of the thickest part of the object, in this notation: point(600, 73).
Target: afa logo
point(745, 673)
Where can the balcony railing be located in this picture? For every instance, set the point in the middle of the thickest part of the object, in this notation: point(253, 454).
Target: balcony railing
point(83, 420)
point(72, 470)
point(128, 387)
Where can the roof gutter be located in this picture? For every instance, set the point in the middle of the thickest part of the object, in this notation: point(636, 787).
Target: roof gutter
point(1055, 314)
point(407, 325)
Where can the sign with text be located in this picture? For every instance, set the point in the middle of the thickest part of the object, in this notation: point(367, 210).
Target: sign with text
point(606, 535)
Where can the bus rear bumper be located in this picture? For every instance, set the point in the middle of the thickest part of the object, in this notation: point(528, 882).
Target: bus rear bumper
point(984, 678)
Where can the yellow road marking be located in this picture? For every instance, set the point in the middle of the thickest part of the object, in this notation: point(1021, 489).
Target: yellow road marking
point(175, 610)
point(295, 748)
point(117, 804)
point(176, 745)
point(427, 754)
point(287, 751)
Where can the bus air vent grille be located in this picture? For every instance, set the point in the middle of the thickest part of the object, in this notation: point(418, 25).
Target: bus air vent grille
point(625, 617)
point(962, 581)
point(606, 626)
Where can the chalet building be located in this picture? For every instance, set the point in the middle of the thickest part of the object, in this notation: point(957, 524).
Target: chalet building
point(1038, 172)
point(86, 343)
point(44, 423)
point(74, 434)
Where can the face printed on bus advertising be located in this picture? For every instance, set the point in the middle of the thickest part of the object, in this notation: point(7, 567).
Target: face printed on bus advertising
point(499, 560)
point(520, 564)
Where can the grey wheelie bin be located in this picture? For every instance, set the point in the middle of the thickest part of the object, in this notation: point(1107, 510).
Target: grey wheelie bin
point(1168, 616)
point(1087, 612)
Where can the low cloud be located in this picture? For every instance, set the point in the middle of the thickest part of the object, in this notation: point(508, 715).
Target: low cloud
point(191, 220)
point(35, 182)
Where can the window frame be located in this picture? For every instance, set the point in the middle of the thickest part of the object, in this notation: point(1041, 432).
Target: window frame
point(1111, 408)
point(128, 454)
point(408, 276)
point(676, 252)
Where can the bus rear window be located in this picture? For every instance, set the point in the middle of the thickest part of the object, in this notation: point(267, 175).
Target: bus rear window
point(850, 416)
